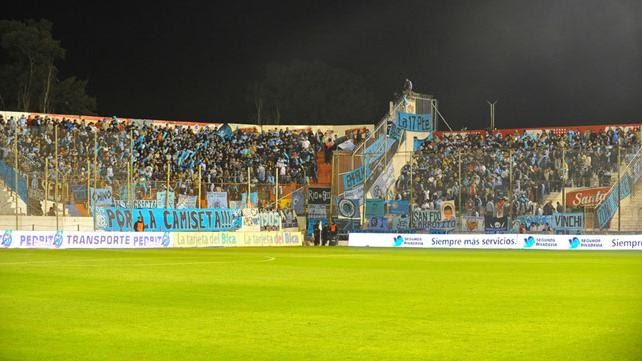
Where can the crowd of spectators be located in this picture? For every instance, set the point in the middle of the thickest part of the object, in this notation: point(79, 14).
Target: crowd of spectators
point(534, 164)
point(223, 154)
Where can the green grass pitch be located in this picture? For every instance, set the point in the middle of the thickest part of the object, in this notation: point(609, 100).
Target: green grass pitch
point(319, 304)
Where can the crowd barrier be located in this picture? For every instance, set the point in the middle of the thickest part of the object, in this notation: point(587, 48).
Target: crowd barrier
point(497, 241)
point(74, 239)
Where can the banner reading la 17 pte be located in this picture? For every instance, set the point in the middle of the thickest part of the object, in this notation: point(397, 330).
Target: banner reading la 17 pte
point(163, 220)
point(415, 122)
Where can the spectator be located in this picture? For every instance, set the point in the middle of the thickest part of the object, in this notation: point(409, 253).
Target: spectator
point(559, 208)
point(325, 235)
point(139, 226)
point(317, 234)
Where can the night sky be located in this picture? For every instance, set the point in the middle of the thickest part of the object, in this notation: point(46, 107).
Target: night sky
point(546, 62)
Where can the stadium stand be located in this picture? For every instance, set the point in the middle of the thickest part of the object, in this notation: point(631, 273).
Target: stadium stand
point(512, 172)
point(139, 152)
point(542, 163)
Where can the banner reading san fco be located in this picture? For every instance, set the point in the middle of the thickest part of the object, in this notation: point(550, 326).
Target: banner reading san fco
point(163, 220)
point(415, 122)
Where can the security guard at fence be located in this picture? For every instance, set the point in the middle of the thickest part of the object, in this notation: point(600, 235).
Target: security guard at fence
point(139, 226)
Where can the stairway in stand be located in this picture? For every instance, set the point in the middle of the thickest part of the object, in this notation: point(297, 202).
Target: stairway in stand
point(324, 170)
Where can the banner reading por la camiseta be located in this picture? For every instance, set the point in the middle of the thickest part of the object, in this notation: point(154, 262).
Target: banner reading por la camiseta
point(163, 220)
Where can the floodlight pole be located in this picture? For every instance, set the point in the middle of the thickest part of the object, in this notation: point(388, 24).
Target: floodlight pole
point(492, 114)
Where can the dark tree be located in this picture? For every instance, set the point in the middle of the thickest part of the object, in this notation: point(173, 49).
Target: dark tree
point(311, 93)
point(29, 77)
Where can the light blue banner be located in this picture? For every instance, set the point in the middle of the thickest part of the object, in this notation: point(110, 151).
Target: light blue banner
point(528, 220)
point(375, 208)
point(254, 199)
point(353, 178)
point(378, 223)
point(298, 202)
point(225, 131)
point(417, 143)
point(8, 176)
point(164, 220)
point(607, 209)
point(573, 222)
point(398, 207)
point(415, 122)
point(394, 131)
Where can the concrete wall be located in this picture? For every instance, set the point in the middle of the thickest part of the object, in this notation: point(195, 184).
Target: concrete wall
point(44, 223)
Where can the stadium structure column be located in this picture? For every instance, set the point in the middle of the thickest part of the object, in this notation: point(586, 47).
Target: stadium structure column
point(365, 193)
point(334, 187)
point(169, 163)
point(44, 214)
point(410, 200)
point(619, 189)
point(200, 169)
point(129, 184)
point(510, 179)
point(564, 177)
point(88, 186)
point(249, 201)
point(15, 152)
point(459, 182)
point(276, 187)
point(56, 175)
point(132, 188)
point(93, 210)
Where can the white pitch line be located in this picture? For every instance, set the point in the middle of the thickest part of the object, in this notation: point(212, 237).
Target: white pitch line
point(103, 264)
